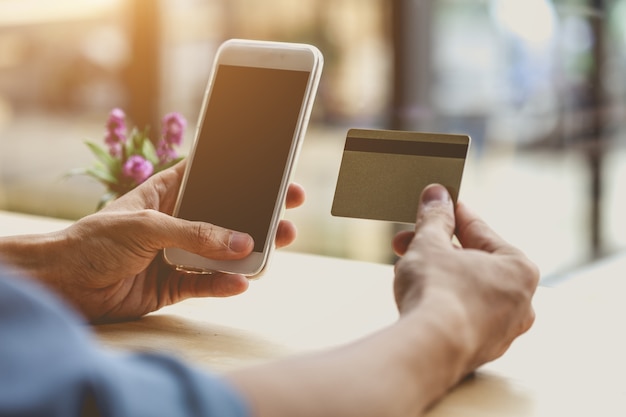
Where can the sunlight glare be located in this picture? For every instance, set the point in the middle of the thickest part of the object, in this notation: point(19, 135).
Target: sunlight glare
point(532, 20)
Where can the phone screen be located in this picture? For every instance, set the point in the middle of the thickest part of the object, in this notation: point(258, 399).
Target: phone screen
point(243, 144)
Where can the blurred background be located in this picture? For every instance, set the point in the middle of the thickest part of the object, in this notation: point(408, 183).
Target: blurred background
point(539, 85)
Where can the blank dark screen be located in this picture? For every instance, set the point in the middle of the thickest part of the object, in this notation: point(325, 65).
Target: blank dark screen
point(244, 142)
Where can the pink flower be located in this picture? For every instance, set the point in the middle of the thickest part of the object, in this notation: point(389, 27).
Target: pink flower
point(116, 131)
point(165, 151)
point(115, 148)
point(117, 120)
point(137, 168)
point(174, 125)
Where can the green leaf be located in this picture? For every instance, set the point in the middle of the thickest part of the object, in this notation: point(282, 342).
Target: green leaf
point(116, 169)
point(106, 198)
point(74, 172)
point(101, 174)
point(146, 133)
point(149, 153)
point(130, 146)
point(101, 154)
point(170, 163)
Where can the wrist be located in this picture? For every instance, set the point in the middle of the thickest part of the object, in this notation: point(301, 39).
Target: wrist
point(37, 256)
point(442, 348)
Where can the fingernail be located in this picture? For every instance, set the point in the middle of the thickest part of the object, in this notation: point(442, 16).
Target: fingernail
point(239, 242)
point(435, 193)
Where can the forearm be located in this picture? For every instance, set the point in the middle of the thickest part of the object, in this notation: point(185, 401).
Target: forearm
point(398, 371)
point(38, 256)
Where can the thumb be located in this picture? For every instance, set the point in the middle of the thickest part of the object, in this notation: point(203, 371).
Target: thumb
point(202, 238)
point(435, 217)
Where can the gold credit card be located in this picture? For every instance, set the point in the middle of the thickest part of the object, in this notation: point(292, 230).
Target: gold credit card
point(383, 172)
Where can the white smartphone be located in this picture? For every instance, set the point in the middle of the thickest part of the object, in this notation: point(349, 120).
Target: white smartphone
point(254, 116)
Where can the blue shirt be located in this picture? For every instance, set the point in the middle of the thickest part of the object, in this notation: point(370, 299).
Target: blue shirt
point(51, 366)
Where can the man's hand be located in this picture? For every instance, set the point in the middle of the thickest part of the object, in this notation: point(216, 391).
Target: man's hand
point(485, 286)
point(109, 264)
point(459, 307)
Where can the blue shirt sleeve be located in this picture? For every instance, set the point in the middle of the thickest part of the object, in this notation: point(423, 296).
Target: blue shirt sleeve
point(51, 366)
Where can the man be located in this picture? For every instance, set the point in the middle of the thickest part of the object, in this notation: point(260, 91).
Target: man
point(459, 308)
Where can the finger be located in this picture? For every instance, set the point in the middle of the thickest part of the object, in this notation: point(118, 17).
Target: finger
point(295, 196)
point(201, 238)
point(286, 233)
point(159, 192)
point(167, 184)
point(474, 233)
point(401, 242)
point(435, 217)
point(178, 169)
point(213, 285)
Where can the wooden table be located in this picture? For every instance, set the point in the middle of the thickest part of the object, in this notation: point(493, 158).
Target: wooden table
point(571, 363)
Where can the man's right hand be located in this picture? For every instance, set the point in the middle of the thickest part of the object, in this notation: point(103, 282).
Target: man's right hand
point(485, 286)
